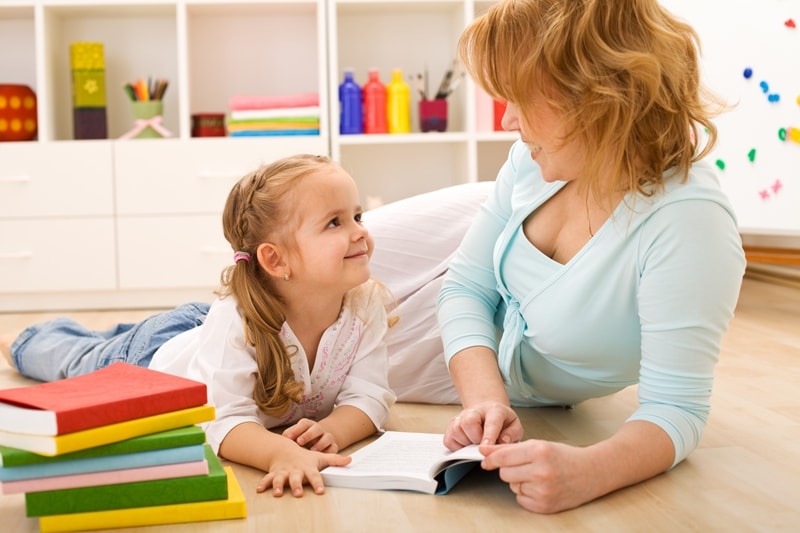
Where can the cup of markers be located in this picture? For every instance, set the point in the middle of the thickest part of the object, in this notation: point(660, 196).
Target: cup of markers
point(433, 111)
point(147, 108)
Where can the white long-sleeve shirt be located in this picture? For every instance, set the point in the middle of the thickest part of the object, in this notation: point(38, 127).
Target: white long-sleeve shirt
point(350, 369)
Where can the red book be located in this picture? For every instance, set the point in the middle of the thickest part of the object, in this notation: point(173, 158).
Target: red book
point(116, 393)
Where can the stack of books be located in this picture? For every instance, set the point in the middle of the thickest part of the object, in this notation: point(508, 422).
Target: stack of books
point(273, 114)
point(118, 447)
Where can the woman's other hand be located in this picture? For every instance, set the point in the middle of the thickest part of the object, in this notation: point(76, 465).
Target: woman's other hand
point(484, 423)
point(547, 477)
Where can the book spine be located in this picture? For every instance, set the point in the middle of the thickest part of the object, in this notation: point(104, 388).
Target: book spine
point(112, 412)
point(88, 90)
point(119, 392)
point(172, 438)
point(108, 477)
point(233, 507)
point(125, 495)
point(181, 454)
point(82, 440)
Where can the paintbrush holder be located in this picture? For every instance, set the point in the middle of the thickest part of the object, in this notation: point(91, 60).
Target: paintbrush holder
point(433, 115)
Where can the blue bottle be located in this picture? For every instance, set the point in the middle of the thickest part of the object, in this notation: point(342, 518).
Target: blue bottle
point(351, 118)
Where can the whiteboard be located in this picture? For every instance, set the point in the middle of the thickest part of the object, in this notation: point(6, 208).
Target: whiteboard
point(757, 34)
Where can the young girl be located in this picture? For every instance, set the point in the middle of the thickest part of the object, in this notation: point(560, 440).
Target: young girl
point(296, 337)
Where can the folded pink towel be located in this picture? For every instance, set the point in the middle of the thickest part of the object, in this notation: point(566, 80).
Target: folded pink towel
point(242, 102)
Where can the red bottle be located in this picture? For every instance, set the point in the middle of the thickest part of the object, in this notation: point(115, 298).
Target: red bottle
point(374, 104)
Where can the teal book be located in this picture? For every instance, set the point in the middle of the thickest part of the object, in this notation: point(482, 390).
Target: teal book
point(89, 465)
point(213, 486)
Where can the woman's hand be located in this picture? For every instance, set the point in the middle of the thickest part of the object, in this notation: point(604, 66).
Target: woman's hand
point(297, 467)
point(483, 423)
point(312, 435)
point(547, 477)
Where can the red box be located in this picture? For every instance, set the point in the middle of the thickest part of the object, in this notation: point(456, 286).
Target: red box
point(17, 113)
point(499, 111)
point(208, 125)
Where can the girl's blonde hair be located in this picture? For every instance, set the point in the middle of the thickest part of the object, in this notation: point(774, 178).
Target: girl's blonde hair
point(259, 209)
point(623, 75)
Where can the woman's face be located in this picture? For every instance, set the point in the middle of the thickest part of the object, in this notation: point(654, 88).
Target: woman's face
point(542, 133)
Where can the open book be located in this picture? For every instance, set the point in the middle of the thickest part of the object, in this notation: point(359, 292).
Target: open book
point(400, 460)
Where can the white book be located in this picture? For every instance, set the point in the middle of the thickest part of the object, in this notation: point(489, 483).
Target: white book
point(280, 112)
point(399, 460)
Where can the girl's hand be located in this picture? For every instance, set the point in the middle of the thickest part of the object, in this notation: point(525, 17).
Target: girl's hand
point(312, 435)
point(296, 468)
point(547, 477)
point(484, 423)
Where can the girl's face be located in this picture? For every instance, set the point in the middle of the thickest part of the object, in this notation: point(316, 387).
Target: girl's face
point(558, 161)
point(334, 248)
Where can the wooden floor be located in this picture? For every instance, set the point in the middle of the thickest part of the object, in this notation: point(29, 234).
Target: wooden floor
point(744, 477)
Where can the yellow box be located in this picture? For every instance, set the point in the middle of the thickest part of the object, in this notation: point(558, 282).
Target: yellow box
point(88, 75)
point(86, 56)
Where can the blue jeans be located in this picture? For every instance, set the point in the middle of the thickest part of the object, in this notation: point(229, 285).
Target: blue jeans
point(63, 348)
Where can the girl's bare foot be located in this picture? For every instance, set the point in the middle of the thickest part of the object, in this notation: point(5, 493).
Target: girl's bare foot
point(5, 349)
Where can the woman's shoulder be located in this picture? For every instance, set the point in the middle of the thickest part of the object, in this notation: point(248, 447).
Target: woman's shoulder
point(700, 188)
point(702, 183)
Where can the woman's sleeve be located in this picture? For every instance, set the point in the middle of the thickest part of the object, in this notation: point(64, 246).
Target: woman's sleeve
point(691, 265)
point(468, 300)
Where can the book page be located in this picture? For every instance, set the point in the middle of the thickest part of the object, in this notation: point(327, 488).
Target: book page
point(421, 453)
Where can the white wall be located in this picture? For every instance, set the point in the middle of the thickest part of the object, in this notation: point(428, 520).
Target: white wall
point(737, 34)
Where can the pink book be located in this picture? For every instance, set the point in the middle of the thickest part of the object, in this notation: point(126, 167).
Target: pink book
point(241, 102)
point(110, 477)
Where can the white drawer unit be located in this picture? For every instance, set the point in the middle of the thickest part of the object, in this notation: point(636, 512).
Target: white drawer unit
point(163, 252)
point(58, 254)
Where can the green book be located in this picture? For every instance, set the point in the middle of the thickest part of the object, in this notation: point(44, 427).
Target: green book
point(173, 438)
point(213, 486)
point(166, 447)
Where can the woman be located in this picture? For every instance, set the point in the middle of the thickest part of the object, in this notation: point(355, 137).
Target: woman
point(604, 256)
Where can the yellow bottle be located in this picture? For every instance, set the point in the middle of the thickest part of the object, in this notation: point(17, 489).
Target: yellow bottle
point(398, 104)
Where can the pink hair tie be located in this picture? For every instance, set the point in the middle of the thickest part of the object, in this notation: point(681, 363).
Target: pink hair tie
point(241, 256)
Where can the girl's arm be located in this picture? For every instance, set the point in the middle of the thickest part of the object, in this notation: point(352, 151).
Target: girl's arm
point(348, 424)
point(344, 426)
point(284, 461)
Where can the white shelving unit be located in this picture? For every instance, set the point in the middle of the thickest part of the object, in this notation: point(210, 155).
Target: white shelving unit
point(415, 36)
point(114, 223)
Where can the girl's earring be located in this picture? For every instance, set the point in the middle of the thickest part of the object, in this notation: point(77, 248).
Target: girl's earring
point(286, 276)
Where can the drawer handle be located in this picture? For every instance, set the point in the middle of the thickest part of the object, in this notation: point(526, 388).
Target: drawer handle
point(16, 255)
point(14, 179)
